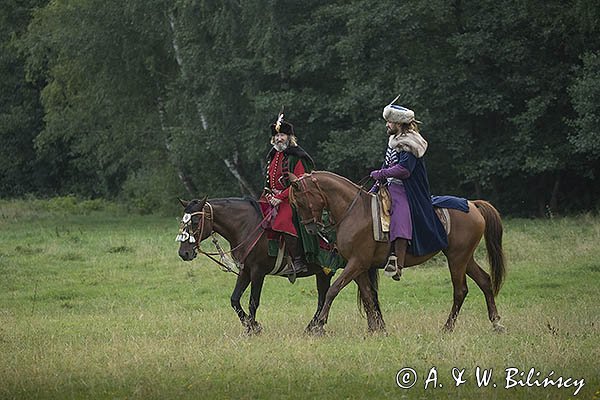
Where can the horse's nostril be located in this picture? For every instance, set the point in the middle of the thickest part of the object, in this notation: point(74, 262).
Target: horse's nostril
point(184, 254)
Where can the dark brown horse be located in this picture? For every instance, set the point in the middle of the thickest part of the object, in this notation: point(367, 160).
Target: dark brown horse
point(239, 222)
point(350, 207)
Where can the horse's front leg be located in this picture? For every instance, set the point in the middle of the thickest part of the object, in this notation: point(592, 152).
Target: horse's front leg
point(351, 271)
point(243, 280)
point(252, 326)
point(458, 266)
point(368, 290)
point(323, 285)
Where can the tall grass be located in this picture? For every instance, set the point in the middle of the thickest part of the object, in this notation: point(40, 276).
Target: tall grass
point(95, 303)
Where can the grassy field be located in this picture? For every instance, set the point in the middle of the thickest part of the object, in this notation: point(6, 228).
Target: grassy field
point(95, 303)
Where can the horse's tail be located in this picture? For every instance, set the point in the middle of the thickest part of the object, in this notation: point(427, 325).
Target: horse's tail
point(374, 282)
point(493, 242)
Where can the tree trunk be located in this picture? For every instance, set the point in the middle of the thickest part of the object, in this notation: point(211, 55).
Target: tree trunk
point(185, 181)
point(235, 172)
point(554, 197)
point(232, 166)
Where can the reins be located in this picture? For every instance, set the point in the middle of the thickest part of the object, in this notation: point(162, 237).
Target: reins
point(253, 237)
point(308, 192)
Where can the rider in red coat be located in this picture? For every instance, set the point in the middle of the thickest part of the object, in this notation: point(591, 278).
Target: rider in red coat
point(285, 157)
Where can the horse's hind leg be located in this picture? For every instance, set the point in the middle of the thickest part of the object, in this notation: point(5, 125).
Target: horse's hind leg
point(483, 280)
point(253, 327)
point(323, 284)
point(367, 288)
point(459, 284)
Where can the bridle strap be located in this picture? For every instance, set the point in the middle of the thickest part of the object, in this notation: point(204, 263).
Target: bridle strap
point(354, 200)
point(210, 255)
point(253, 237)
point(325, 201)
point(307, 192)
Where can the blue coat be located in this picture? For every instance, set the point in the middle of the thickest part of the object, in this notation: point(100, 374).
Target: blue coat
point(429, 235)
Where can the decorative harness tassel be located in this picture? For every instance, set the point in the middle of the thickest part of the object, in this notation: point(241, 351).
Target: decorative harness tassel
point(227, 264)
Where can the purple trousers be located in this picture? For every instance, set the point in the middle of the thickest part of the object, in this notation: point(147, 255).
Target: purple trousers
point(400, 221)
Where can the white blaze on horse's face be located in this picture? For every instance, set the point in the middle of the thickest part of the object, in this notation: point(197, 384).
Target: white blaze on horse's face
point(184, 235)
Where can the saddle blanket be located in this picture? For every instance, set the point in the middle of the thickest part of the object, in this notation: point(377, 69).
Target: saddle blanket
point(327, 256)
point(381, 205)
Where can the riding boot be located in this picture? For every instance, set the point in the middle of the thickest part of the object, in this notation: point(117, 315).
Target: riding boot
point(297, 254)
point(395, 262)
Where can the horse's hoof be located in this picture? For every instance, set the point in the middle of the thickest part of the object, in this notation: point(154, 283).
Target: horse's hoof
point(378, 331)
point(253, 329)
point(499, 328)
point(315, 330)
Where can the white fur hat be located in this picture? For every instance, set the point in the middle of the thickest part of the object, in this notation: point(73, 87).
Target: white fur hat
point(399, 114)
point(394, 113)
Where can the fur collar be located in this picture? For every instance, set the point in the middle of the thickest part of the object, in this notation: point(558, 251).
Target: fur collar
point(295, 151)
point(411, 142)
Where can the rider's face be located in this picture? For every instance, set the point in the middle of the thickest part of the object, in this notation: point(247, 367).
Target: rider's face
point(392, 127)
point(281, 138)
point(281, 141)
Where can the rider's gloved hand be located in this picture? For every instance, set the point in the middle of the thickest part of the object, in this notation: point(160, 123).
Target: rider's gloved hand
point(377, 174)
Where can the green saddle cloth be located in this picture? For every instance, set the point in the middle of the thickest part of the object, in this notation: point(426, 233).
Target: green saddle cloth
point(316, 251)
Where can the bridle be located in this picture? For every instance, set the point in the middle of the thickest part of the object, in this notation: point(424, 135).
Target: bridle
point(196, 237)
point(317, 214)
point(186, 224)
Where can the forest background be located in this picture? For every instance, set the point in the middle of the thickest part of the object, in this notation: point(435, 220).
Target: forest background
point(145, 100)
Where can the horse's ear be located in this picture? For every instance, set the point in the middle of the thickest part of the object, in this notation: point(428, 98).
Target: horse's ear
point(293, 180)
point(203, 201)
point(183, 202)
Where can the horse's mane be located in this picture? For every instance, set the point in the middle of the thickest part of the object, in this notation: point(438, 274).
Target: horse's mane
point(254, 204)
point(333, 174)
point(245, 199)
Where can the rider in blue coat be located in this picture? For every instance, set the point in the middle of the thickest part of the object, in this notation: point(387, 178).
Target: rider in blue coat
point(414, 226)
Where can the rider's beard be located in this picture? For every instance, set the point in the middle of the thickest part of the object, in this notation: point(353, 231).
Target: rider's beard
point(281, 146)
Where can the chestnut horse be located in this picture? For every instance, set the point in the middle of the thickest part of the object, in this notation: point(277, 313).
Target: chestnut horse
point(239, 222)
point(350, 207)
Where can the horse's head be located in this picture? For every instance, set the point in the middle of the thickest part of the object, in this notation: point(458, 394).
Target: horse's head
point(309, 200)
point(195, 226)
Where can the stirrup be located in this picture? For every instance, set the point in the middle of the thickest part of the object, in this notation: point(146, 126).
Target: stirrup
point(299, 265)
point(391, 267)
point(292, 278)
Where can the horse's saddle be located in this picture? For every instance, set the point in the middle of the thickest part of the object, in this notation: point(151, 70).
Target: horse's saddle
point(381, 205)
point(284, 265)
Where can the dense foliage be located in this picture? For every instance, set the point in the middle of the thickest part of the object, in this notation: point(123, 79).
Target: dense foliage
point(148, 100)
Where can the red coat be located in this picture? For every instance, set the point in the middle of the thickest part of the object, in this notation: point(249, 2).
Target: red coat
point(278, 184)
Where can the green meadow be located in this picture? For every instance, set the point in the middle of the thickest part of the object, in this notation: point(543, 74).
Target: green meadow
point(96, 304)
